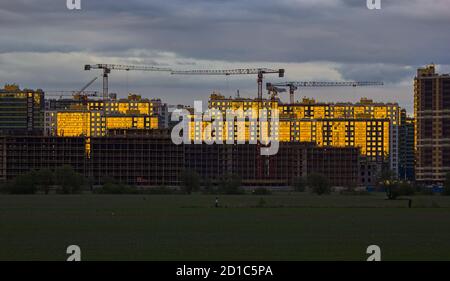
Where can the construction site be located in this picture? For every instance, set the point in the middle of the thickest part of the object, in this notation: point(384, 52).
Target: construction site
point(101, 135)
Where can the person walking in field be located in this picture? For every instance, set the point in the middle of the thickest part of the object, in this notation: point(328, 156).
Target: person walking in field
point(217, 202)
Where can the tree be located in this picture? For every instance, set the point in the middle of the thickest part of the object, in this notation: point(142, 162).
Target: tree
point(319, 184)
point(299, 184)
point(230, 184)
point(386, 180)
point(207, 185)
point(44, 179)
point(69, 181)
point(191, 181)
point(23, 184)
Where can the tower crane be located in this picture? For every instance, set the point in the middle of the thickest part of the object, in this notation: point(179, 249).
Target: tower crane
point(259, 71)
point(81, 94)
point(108, 67)
point(87, 86)
point(275, 88)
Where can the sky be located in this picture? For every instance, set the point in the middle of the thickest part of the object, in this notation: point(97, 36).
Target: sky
point(45, 45)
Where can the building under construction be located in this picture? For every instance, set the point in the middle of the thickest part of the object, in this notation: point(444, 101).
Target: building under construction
point(293, 160)
point(21, 154)
point(149, 158)
point(342, 129)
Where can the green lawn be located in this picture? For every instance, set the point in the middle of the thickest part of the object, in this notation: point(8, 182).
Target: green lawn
point(178, 227)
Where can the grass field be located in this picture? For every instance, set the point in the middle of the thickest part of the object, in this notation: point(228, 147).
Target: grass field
point(181, 227)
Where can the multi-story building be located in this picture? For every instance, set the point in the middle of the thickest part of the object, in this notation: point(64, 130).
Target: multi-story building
point(21, 111)
point(432, 126)
point(371, 127)
point(20, 154)
point(149, 158)
point(293, 160)
point(96, 117)
point(406, 148)
point(137, 157)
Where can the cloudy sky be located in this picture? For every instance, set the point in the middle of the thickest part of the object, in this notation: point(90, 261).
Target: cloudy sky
point(44, 45)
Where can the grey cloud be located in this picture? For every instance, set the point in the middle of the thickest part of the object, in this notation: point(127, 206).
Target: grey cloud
point(377, 72)
point(251, 30)
point(367, 45)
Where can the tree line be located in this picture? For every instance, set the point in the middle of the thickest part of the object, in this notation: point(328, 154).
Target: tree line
point(65, 180)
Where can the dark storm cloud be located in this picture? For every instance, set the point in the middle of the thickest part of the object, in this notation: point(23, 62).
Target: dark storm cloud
point(376, 72)
point(360, 44)
point(244, 30)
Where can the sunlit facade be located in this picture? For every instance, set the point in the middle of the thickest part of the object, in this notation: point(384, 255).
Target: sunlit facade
point(96, 117)
point(131, 122)
point(80, 123)
point(367, 125)
point(134, 104)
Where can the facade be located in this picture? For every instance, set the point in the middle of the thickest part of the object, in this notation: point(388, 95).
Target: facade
point(19, 155)
point(296, 159)
point(366, 124)
point(50, 122)
point(339, 165)
point(139, 158)
point(21, 111)
point(96, 117)
point(406, 149)
point(149, 158)
point(347, 142)
point(369, 171)
point(432, 127)
point(371, 127)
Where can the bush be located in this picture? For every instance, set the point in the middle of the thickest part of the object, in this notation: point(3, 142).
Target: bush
point(406, 189)
point(396, 189)
point(299, 184)
point(261, 191)
point(446, 187)
point(158, 190)
point(230, 184)
point(23, 184)
point(208, 187)
point(44, 180)
point(69, 181)
point(261, 203)
point(191, 181)
point(319, 184)
point(446, 191)
point(113, 188)
point(352, 191)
